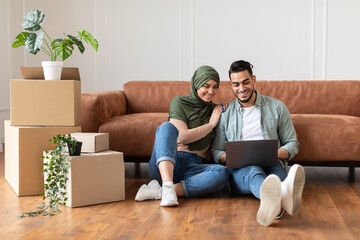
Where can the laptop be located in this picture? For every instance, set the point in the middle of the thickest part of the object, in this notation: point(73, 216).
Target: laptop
point(261, 153)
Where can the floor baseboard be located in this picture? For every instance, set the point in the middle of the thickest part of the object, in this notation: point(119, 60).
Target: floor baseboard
point(2, 141)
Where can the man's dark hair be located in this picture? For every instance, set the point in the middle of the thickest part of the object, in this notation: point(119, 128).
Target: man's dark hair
point(240, 66)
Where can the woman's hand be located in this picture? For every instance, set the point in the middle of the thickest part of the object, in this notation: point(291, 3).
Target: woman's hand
point(215, 116)
point(224, 106)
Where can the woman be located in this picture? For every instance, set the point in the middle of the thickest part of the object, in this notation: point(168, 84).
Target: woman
point(183, 144)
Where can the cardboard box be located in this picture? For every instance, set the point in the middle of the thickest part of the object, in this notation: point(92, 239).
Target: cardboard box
point(95, 178)
point(45, 102)
point(92, 142)
point(24, 148)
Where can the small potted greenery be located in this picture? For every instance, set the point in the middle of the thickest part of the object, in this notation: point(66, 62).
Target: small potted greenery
point(55, 48)
point(56, 167)
point(73, 145)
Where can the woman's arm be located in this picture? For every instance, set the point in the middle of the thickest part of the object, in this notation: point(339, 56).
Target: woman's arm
point(187, 135)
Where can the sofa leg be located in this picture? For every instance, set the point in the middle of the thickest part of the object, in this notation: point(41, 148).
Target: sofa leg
point(351, 174)
point(137, 169)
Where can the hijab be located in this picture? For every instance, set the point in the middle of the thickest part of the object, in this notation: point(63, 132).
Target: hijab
point(192, 109)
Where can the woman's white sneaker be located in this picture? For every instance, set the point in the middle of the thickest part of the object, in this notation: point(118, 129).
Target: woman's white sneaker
point(169, 197)
point(152, 191)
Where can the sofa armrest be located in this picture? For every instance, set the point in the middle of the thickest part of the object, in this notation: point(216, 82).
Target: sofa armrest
point(98, 106)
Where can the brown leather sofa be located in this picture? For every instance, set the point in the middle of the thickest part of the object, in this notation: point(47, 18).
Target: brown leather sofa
point(326, 116)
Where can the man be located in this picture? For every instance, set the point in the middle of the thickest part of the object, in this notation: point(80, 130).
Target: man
point(252, 116)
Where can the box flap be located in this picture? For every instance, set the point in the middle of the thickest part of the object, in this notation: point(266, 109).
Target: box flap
point(34, 73)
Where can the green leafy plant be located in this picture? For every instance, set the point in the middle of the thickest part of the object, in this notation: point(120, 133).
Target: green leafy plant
point(56, 167)
point(54, 47)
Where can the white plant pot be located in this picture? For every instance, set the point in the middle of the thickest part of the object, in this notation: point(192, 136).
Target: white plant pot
point(52, 70)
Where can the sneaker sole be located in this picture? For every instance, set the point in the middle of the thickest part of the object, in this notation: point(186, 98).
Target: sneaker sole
point(270, 194)
point(298, 187)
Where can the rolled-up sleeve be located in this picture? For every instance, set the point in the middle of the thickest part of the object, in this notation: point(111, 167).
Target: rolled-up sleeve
point(287, 133)
point(218, 145)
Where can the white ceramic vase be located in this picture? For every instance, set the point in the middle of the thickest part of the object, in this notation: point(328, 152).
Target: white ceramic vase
point(52, 69)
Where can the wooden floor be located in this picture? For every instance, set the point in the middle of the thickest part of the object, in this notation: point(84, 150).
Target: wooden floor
point(330, 210)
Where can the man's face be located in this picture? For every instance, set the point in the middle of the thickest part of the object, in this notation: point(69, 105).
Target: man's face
point(243, 87)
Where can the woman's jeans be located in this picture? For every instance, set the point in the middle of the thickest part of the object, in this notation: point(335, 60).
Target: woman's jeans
point(195, 178)
point(249, 179)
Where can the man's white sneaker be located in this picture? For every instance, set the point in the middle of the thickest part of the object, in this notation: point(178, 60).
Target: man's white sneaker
point(270, 200)
point(169, 197)
point(292, 188)
point(280, 214)
point(152, 191)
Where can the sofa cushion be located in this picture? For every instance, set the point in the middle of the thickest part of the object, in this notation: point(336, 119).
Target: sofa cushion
point(315, 97)
point(327, 137)
point(153, 96)
point(133, 134)
point(322, 137)
point(300, 97)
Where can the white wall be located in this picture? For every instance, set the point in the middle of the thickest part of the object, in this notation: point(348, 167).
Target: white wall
point(4, 69)
point(168, 40)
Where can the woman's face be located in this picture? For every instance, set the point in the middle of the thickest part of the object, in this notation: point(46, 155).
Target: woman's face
point(208, 90)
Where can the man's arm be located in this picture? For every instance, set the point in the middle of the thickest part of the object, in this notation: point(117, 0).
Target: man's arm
point(218, 145)
point(287, 135)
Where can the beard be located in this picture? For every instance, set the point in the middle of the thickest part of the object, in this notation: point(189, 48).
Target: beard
point(246, 100)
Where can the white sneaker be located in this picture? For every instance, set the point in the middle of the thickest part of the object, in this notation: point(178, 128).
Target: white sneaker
point(154, 183)
point(152, 191)
point(270, 200)
point(292, 188)
point(280, 214)
point(169, 197)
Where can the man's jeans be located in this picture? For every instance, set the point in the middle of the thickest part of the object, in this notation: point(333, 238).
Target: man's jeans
point(249, 179)
point(196, 178)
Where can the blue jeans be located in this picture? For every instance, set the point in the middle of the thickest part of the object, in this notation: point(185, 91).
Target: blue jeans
point(195, 178)
point(249, 179)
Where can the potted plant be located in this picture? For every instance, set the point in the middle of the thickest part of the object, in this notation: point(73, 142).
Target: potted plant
point(72, 144)
point(54, 48)
point(56, 167)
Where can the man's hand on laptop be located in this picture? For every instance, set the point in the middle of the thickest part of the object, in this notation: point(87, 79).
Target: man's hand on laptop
point(222, 159)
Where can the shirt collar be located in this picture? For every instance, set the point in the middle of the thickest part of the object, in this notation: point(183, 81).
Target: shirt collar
point(257, 102)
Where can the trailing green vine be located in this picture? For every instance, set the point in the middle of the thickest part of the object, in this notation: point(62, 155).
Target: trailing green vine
point(56, 167)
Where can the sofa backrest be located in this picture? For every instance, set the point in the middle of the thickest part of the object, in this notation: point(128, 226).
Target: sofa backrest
point(307, 97)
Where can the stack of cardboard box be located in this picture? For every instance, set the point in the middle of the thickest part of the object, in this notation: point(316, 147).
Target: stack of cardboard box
point(39, 110)
point(42, 109)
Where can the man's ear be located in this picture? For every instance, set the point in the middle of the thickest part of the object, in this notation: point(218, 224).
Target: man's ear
point(254, 78)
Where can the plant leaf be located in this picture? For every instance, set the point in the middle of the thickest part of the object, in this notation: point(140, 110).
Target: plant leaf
point(32, 20)
point(39, 40)
point(20, 40)
point(62, 47)
point(78, 43)
point(33, 42)
point(88, 38)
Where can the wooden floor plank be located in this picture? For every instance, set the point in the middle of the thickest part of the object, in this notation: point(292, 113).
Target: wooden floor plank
point(330, 210)
point(345, 200)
